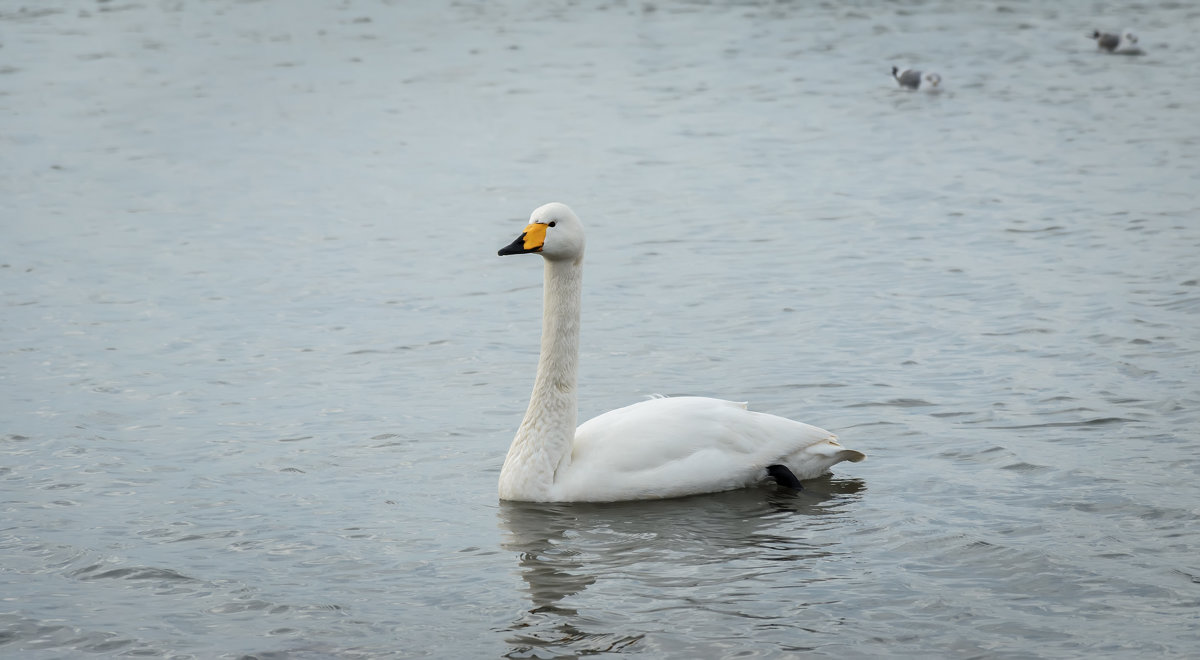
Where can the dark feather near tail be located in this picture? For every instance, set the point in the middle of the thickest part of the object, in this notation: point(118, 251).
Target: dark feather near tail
point(784, 477)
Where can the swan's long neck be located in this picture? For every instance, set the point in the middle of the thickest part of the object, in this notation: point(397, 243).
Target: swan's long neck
point(544, 440)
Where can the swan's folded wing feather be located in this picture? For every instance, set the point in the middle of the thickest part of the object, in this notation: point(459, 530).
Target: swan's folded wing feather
point(678, 446)
point(650, 433)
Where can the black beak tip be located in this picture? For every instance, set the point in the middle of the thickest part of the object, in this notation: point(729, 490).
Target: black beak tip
point(516, 247)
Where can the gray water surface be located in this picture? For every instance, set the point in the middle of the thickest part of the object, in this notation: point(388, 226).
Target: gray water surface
point(261, 364)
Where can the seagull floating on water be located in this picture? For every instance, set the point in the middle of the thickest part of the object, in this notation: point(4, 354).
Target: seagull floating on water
point(1122, 44)
point(911, 78)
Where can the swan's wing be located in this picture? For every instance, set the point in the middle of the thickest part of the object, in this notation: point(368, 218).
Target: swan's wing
point(658, 431)
point(682, 445)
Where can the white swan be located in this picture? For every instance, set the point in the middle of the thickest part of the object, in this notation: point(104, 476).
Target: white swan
point(664, 447)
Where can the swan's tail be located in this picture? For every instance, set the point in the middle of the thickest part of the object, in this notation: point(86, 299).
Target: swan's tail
point(834, 450)
point(816, 459)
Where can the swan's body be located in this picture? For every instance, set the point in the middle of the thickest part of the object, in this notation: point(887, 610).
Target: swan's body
point(665, 447)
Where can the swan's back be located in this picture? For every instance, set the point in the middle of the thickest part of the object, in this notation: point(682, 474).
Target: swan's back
point(676, 446)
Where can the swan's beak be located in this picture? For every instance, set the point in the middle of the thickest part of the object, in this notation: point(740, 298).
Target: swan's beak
point(530, 240)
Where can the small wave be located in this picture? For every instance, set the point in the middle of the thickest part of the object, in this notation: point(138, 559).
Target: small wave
point(893, 403)
point(1020, 331)
point(1025, 467)
point(1039, 230)
point(130, 573)
point(1099, 421)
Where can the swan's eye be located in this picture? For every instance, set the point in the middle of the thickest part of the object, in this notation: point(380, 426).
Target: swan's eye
point(552, 223)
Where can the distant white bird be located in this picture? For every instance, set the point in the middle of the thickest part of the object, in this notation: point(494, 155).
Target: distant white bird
point(911, 78)
point(1125, 43)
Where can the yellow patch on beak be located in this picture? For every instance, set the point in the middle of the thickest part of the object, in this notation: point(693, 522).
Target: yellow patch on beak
point(535, 237)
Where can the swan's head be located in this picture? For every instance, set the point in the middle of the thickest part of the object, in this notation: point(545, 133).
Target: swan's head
point(553, 232)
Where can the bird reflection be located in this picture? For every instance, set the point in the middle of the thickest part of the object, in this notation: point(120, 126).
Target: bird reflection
point(563, 549)
point(550, 567)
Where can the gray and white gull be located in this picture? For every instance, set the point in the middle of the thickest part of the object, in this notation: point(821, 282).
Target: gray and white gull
point(911, 78)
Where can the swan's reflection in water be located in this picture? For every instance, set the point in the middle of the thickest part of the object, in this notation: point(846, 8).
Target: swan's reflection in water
point(645, 564)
